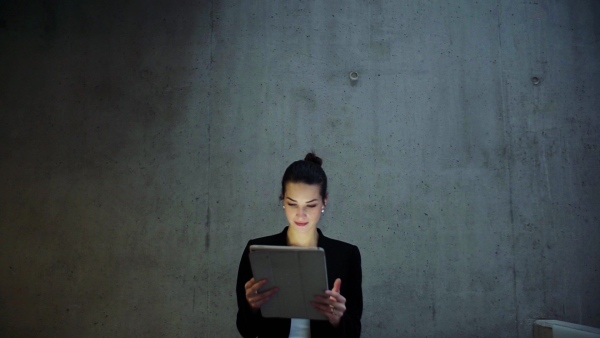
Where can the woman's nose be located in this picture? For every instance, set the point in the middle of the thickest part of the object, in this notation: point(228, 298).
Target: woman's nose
point(301, 212)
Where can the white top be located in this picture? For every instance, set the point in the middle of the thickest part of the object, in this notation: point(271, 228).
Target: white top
point(300, 328)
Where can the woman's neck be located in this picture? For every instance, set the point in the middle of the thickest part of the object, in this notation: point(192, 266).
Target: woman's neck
point(302, 239)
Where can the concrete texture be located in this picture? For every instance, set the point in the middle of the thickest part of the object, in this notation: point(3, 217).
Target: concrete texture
point(142, 145)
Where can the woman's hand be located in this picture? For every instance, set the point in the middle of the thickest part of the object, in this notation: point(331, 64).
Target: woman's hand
point(332, 304)
point(257, 299)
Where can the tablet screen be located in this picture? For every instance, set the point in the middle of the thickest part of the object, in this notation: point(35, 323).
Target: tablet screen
point(298, 272)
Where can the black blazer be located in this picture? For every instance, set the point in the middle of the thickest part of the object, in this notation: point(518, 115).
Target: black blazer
point(343, 261)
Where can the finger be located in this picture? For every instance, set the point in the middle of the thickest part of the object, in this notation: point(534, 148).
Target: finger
point(336, 296)
point(327, 304)
point(251, 292)
point(324, 308)
point(253, 288)
point(324, 300)
point(330, 312)
point(257, 301)
point(330, 297)
point(258, 285)
point(337, 285)
point(249, 283)
point(267, 294)
point(256, 297)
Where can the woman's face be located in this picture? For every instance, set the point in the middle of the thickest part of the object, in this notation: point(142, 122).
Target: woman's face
point(303, 205)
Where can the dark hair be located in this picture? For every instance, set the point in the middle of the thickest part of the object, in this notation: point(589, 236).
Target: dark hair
point(307, 171)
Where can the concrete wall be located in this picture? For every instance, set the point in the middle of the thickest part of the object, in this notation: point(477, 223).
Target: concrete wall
point(141, 146)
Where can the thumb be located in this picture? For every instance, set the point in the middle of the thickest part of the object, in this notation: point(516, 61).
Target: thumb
point(337, 285)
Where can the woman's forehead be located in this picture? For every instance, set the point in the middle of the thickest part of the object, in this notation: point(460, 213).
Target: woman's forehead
point(302, 191)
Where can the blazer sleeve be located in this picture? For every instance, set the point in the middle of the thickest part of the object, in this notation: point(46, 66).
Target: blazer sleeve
point(347, 264)
point(248, 322)
point(350, 324)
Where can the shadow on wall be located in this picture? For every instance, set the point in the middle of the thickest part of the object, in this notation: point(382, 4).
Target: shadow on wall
point(94, 95)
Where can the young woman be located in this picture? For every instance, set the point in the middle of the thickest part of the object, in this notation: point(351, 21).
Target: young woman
point(304, 197)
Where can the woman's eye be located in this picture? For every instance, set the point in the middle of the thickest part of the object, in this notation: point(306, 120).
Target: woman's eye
point(311, 206)
point(291, 205)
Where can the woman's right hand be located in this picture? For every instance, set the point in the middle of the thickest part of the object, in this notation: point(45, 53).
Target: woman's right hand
point(254, 298)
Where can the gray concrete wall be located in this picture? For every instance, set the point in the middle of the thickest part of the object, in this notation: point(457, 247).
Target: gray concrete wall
point(141, 146)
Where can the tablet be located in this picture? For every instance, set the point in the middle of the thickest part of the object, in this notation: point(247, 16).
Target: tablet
point(298, 272)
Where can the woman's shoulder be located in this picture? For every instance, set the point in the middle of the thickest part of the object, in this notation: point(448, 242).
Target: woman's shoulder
point(337, 244)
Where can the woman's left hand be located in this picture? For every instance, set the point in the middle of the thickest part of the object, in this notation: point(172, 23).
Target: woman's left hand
point(332, 304)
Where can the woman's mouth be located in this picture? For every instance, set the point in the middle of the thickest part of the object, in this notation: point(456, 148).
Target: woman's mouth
point(301, 224)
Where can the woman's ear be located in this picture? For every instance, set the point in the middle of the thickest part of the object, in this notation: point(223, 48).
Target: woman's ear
point(325, 200)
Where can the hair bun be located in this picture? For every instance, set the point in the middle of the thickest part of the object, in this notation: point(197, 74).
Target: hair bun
point(311, 157)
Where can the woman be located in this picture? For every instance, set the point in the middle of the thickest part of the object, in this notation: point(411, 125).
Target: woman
point(304, 197)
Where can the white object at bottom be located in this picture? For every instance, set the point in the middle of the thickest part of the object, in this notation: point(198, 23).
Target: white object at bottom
point(300, 328)
point(559, 331)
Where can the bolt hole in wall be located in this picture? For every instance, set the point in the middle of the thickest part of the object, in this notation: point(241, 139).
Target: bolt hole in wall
point(353, 77)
